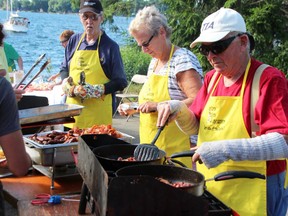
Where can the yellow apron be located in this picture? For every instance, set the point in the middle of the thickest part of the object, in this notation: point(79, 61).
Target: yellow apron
point(96, 111)
point(171, 139)
point(222, 119)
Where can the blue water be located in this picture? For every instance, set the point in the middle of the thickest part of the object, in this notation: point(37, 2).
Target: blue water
point(43, 37)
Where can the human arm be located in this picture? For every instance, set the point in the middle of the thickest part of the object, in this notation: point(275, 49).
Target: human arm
point(53, 77)
point(185, 118)
point(110, 59)
point(185, 78)
point(11, 139)
point(271, 146)
point(113, 67)
point(189, 82)
point(85, 91)
point(20, 63)
point(17, 159)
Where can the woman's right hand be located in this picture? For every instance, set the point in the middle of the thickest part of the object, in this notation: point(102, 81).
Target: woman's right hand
point(164, 113)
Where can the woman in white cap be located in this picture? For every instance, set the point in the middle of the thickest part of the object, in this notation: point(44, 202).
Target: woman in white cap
point(99, 58)
point(228, 112)
point(174, 73)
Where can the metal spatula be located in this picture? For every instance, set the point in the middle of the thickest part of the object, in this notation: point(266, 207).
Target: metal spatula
point(146, 152)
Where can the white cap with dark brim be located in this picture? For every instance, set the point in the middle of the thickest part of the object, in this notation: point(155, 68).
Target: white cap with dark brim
point(218, 24)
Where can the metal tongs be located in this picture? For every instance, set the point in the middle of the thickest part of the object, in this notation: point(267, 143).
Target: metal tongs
point(36, 75)
point(82, 82)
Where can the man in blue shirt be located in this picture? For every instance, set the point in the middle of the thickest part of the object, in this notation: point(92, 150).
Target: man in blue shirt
point(96, 57)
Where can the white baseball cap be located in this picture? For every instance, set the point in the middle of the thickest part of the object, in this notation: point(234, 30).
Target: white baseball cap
point(218, 24)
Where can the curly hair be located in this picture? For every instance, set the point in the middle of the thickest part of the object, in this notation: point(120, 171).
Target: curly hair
point(65, 35)
point(150, 19)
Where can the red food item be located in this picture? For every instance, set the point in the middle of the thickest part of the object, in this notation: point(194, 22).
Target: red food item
point(126, 159)
point(176, 184)
point(98, 129)
point(56, 137)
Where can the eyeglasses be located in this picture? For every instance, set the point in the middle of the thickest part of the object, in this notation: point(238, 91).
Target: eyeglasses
point(217, 47)
point(94, 17)
point(63, 41)
point(147, 43)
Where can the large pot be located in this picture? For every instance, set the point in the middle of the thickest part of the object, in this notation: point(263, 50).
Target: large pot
point(108, 156)
point(174, 174)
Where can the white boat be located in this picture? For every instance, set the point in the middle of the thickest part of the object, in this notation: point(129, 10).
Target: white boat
point(15, 22)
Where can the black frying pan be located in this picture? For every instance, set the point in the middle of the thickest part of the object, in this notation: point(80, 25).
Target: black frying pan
point(180, 174)
point(108, 155)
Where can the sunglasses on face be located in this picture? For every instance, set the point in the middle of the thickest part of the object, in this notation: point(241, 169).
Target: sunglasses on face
point(94, 17)
point(217, 47)
point(147, 43)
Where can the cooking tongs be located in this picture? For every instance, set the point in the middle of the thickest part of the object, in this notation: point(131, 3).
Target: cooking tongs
point(36, 75)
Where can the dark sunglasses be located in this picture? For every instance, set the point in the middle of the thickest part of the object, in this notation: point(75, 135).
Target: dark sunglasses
point(94, 17)
point(147, 43)
point(217, 47)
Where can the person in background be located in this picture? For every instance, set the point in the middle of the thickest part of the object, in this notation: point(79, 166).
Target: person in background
point(99, 58)
point(174, 73)
point(3, 60)
point(226, 120)
point(64, 38)
point(4, 66)
point(12, 56)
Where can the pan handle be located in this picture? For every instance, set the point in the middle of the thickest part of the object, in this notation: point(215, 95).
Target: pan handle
point(173, 162)
point(236, 174)
point(189, 153)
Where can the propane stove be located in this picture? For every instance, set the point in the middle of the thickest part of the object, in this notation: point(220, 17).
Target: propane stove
point(135, 195)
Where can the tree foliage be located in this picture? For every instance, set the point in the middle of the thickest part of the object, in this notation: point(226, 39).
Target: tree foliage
point(266, 21)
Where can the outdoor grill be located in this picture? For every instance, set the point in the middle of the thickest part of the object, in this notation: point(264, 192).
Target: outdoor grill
point(108, 195)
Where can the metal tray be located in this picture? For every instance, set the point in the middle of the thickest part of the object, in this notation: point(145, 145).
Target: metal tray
point(45, 113)
point(47, 155)
point(41, 146)
point(51, 156)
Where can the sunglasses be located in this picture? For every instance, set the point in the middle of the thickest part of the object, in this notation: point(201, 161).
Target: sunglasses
point(94, 17)
point(147, 43)
point(217, 47)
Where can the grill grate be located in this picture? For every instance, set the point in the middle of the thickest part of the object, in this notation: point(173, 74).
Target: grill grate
point(216, 207)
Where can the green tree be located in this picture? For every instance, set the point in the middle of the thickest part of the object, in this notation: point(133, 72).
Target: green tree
point(25, 5)
point(266, 20)
point(59, 5)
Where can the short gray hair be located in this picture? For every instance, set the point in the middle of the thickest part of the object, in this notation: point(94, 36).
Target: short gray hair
point(151, 20)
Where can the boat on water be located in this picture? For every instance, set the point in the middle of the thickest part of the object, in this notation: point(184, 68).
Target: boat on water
point(15, 22)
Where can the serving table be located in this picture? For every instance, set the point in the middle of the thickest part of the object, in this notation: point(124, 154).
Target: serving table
point(19, 191)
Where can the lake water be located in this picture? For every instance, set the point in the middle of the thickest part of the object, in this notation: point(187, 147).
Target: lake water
point(43, 37)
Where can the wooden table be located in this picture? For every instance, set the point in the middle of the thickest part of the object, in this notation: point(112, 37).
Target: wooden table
point(20, 191)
